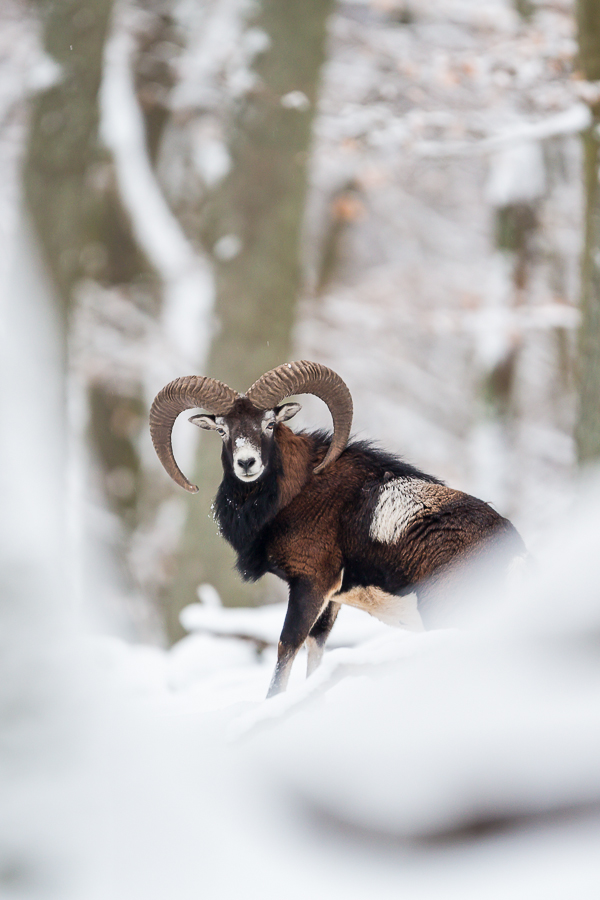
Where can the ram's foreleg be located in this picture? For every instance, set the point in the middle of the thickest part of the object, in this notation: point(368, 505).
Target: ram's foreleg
point(308, 600)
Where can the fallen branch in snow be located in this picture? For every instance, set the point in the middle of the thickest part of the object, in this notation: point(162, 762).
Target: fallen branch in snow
point(262, 625)
point(512, 319)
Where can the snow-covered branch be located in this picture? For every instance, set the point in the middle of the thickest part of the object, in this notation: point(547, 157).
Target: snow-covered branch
point(570, 121)
point(187, 276)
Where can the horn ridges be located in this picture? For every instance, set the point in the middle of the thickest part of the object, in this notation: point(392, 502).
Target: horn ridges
point(189, 392)
point(305, 377)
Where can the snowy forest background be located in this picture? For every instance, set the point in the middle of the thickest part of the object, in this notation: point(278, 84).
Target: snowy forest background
point(406, 191)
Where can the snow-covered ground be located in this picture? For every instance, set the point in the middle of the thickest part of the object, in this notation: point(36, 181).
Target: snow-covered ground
point(454, 763)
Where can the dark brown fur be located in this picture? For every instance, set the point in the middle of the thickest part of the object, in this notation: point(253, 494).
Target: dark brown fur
point(314, 530)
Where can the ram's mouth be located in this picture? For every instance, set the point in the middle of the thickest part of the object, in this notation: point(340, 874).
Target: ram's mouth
point(250, 476)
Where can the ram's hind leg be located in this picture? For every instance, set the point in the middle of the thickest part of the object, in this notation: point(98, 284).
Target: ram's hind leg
point(315, 642)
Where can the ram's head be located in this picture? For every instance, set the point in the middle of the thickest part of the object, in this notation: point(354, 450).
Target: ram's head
point(247, 422)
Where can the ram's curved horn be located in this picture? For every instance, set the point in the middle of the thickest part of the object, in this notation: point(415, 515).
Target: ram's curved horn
point(305, 377)
point(190, 392)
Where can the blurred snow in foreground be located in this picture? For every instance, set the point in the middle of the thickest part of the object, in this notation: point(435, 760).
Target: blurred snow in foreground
point(454, 763)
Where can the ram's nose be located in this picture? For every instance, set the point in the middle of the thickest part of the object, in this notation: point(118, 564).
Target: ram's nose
point(247, 465)
point(248, 468)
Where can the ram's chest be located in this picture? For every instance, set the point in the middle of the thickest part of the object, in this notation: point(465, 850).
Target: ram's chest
point(305, 542)
point(400, 502)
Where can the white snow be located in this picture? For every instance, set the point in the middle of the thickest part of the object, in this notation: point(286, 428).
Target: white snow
point(517, 174)
point(295, 100)
point(228, 247)
point(454, 763)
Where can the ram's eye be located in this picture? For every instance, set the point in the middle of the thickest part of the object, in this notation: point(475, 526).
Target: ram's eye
point(270, 426)
point(221, 431)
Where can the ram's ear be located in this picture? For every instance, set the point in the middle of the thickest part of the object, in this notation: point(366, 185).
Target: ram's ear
point(204, 421)
point(286, 411)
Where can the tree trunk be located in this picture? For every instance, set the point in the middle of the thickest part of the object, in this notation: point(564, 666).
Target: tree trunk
point(85, 235)
point(63, 135)
point(587, 432)
point(79, 224)
point(253, 227)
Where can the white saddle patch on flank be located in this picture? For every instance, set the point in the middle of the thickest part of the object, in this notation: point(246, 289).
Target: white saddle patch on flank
point(400, 502)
